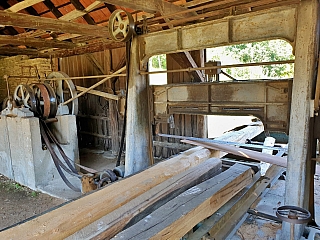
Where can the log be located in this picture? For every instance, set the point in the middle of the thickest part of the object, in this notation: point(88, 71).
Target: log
point(174, 219)
point(66, 220)
point(111, 224)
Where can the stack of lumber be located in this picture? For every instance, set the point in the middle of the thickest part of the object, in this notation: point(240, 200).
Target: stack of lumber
point(164, 201)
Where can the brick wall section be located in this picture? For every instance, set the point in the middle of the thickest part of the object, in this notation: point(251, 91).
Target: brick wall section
point(21, 66)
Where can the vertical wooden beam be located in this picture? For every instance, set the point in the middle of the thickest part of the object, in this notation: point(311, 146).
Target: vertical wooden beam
point(138, 133)
point(306, 50)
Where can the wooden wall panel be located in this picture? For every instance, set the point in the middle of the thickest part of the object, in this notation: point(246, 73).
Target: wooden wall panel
point(185, 125)
point(99, 123)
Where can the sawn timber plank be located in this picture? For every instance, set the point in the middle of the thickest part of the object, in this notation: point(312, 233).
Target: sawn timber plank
point(174, 219)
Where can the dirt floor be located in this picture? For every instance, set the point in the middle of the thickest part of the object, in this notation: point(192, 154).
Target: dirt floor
point(19, 203)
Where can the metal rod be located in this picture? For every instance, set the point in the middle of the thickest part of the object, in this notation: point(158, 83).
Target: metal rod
point(229, 76)
point(217, 67)
point(95, 85)
point(70, 78)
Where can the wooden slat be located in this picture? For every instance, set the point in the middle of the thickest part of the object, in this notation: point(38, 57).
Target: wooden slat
point(80, 12)
point(174, 219)
point(245, 153)
point(22, 5)
point(99, 93)
point(72, 217)
point(148, 202)
point(48, 24)
point(72, 15)
point(194, 65)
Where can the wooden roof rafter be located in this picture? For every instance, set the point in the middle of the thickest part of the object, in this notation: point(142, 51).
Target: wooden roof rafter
point(49, 26)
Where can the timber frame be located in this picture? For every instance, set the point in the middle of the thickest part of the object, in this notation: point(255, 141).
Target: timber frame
point(40, 28)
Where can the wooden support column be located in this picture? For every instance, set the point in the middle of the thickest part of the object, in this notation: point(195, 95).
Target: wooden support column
point(306, 50)
point(138, 132)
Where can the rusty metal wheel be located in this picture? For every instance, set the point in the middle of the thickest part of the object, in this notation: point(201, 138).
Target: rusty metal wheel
point(43, 100)
point(293, 214)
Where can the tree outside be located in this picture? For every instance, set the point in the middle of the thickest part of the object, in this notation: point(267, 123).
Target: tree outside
point(266, 51)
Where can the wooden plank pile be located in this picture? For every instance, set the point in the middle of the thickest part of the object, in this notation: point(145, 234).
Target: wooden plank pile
point(164, 201)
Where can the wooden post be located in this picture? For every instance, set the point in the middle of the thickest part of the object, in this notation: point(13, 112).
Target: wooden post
point(306, 50)
point(138, 132)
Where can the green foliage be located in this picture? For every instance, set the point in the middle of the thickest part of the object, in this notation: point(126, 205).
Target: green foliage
point(267, 51)
point(159, 61)
point(34, 194)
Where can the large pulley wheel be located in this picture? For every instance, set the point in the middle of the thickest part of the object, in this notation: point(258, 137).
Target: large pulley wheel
point(46, 105)
point(53, 100)
point(64, 89)
point(121, 26)
point(24, 95)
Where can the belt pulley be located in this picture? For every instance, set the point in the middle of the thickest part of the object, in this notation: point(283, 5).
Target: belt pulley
point(40, 98)
point(64, 88)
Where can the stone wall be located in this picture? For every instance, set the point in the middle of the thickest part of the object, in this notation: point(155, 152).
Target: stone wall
point(22, 66)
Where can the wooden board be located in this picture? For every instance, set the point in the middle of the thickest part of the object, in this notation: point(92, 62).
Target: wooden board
point(174, 219)
point(66, 220)
point(109, 225)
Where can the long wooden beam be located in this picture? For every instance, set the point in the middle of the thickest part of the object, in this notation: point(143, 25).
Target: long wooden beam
point(239, 29)
point(66, 220)
point(175, 218)
point(246, 153)
point(48, 24)
point(34, 42)
point(22, 5)
point(66, 52)
point(99, 93)
point(11, 51)
point(152, 6)
point(147, 202)
point(89, 48)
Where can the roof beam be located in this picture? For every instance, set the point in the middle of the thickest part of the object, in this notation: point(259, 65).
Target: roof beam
point(10, 51)
point(151, 6)
point(23, 5)
point(34, 42)
point(48, 24)
point(89, 48)
point(78, 5)
point(80, 11)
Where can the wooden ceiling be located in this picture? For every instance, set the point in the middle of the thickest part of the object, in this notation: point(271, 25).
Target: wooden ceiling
point(61, 28)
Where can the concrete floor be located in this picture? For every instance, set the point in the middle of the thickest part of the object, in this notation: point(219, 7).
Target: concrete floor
point(254, 227)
